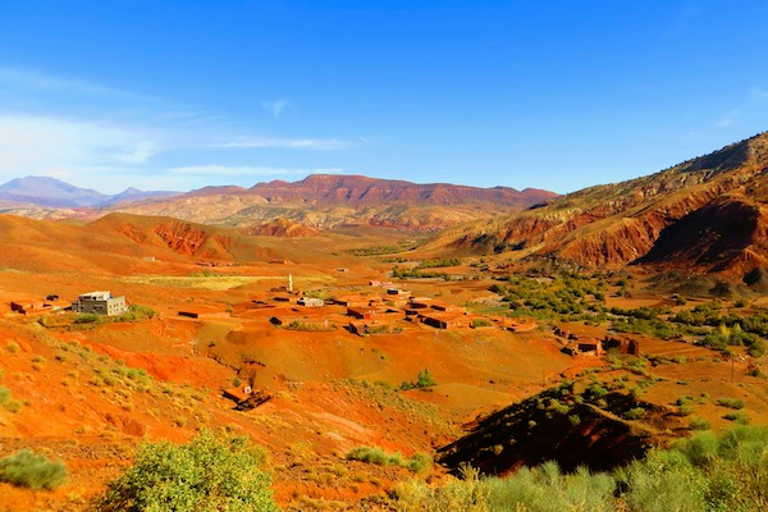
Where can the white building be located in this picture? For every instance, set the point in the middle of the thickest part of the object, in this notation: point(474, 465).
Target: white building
point(100, 303)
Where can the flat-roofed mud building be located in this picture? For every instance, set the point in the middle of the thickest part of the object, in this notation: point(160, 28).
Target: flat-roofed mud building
point(100, 303)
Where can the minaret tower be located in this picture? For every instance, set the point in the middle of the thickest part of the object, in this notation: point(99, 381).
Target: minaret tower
point(290, 283)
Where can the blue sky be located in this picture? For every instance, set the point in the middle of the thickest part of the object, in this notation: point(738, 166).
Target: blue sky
point(179, 94)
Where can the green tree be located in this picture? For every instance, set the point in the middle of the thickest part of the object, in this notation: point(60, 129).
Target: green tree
point(206, 474)
point(424, 379)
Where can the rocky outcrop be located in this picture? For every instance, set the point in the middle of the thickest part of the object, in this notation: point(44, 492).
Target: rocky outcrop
point(182, 237)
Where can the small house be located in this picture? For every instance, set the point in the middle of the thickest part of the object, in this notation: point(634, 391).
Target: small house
point(311, 302)
point(591, 347)
point(100, 303)
point(622, 345)
point(361, 313)
point(352, 301)
point(444, 321)
point(421, 303)
point(442, 306)
point(238, 394)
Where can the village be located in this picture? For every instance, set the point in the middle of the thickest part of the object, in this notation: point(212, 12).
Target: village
point(376, 308)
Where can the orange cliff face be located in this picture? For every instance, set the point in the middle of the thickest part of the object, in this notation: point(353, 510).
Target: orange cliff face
point(712, 206)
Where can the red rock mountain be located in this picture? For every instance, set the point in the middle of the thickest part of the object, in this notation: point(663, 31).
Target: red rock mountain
point(709, 214)
point(323, 201)
point(338, 189)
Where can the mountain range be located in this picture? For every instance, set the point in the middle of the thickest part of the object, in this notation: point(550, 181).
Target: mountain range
point(706, 215)
point(328, 201)
point(52, 193)
point(316, 202)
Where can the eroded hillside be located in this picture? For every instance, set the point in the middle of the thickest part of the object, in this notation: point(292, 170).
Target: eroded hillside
point(704, 215)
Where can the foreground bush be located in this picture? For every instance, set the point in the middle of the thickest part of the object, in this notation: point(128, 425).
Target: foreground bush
point(466, 495)
point(545, 489)
point(205, 474)
point(27, 469)
point(705, 473)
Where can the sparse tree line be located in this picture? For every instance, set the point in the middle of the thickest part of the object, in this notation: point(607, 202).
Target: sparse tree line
point(574, 297)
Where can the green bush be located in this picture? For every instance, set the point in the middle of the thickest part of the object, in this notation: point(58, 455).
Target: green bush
point(635, 413)
point(423, 380)
point(546, 489)
point(136, 312)
point(481, 322)
point(206, 474)
point(419, 463)
point(87, 318)
point(27, 469)
point(737, 417)
point(438, 263)
point(731, 403)
point(700, 424)
point(469, 494)
point(705, 473)
point(664, 481)
point(5, 395)
point(375, 455)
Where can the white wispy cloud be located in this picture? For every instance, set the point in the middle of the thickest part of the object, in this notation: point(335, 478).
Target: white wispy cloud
point(104, 137)
point(34, 81)
point(758, 94)
point(225, 170)
point(276, 107)
point(46, 144)
point(728, 119)
point(755, 101)
point(268, 142)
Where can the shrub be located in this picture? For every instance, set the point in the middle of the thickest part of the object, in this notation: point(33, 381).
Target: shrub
point(466, 495)
point(27, 469)
point(5, 395)
point(374, 455)
point(481, 322)
point(635, 413)
point(664, 481)
point(545, 488)
point(737, 417)
point(705, 473)
point(206, 474)
point(423, 380)
point(86, 318)
point(13, 406)
point(700, 424)
point(731, 403)
point(137, 312)
point(419, 463)
point(300, 325)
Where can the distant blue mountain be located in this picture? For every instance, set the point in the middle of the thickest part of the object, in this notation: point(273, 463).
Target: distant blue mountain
point(53, 193)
